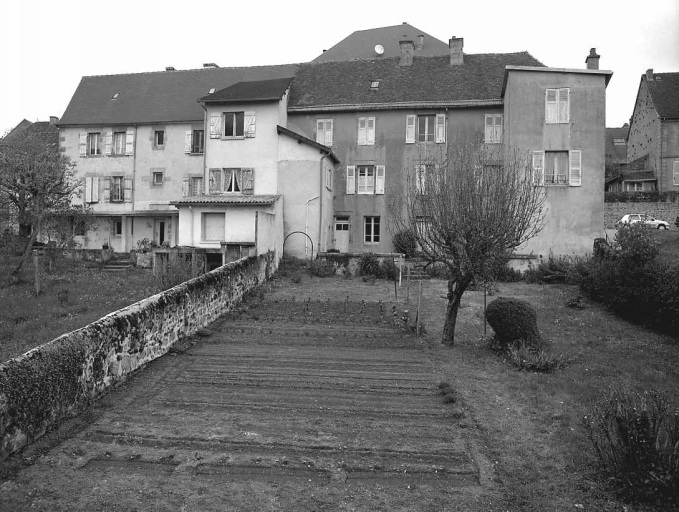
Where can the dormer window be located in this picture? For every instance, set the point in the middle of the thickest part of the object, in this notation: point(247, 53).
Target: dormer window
point(115, 95)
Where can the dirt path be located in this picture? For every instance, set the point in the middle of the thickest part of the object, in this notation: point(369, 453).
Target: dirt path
point(305, 399)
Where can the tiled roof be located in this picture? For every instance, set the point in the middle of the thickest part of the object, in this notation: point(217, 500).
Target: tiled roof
point(158, 97)
point(262, 90)
point(618, 152)
point(664, 91)
point(361, 44)
point(44, 130)
point(226, 199)
point(429, 80)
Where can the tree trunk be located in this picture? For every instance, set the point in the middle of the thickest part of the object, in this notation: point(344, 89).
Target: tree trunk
point(14, 276)
point(456, 288)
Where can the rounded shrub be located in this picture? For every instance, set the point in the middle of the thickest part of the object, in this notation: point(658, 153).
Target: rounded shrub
point(514, 322)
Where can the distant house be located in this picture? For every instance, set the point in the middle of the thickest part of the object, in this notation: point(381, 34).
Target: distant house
point(48, 133)
point(616, 149)
point(383, 43)
point(654, 133)
point(633, 177)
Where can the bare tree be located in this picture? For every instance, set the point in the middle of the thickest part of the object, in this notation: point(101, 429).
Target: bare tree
point(469, 210)
point(37, 180)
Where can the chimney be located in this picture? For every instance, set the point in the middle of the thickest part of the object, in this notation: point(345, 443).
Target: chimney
point(592, 59)
point(407, 48)
point(54, 119)
point(170, 68)
point(420, 42)
point(649, 75)
point(455, 44)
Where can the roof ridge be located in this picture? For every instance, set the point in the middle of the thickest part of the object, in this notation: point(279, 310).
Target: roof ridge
point(196, 69)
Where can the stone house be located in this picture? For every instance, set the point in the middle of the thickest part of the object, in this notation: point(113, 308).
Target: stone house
point(653, 136)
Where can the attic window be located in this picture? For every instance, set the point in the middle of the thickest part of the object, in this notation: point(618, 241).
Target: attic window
point(619, 142)
point(115, 95)
point(212, 90)
point(374, 85)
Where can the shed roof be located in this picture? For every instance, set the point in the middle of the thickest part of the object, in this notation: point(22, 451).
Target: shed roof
point(228, 199)
point(260, 90)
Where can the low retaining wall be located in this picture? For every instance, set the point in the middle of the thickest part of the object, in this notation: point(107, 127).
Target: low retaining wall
point(667, 211)
point(54, 381)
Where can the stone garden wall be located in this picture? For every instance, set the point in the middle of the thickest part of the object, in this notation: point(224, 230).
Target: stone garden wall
point(54, 381)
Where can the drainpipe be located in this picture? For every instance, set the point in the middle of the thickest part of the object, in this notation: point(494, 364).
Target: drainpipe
point(306, 225)
point(320, 193)
point(134, 183)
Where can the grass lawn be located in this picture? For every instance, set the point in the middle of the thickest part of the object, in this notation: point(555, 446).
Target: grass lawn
point(532, 421)
point(74, 295)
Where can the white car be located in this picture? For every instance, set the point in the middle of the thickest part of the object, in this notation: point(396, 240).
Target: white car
point(632, 218)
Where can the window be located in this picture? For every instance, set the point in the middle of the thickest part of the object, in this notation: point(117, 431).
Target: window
point(493, 131)
point(118, 147)
point(324, 131)
point(92, 189)
point(619, 142)
point(675, 173)
point(194, 143)
point(117, 226)
point(213, 227)
point(422, 173)
point(557, 168)
point(366, 131)
point(372, 230)
point(371, 179)
point(342, 223)
point(634, 186)
point(234, 124)
point(93, 144)
point(366, 179)
point(426, 128)
point(117, 191)
point(196, 185)
point(157, 178)
point(557, 106)
point(158, 138)
point(231, 181)
point(374, 85)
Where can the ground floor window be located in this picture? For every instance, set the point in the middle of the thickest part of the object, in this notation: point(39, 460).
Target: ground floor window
point(117, 226)
point(213, 227)
point(372, 230)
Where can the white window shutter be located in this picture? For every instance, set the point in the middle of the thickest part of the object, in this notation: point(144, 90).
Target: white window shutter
point(564, 105)
point(129, 142)
point(351, 179)
point(188, 139)
point(215, 127)
point(215, 181)
point(420, 178)
point(410, 129)
point(361, 131)
point(249, 124)
point(185, 187)
point(88, 190)
point(83, 143)
point(575, 168)
point(370, 131)
point(95, 189)
point(440, 128)
point(320, 131)
point(108, 143)
point(538, 168)
point(248, 187)
point(380, 179)
point(127, 192)
point(675, 172)
point(328, 132)
point(107, 190)
point(551, 113)
point(488, 136)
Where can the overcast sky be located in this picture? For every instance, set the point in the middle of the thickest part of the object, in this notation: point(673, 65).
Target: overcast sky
point(46, 46)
